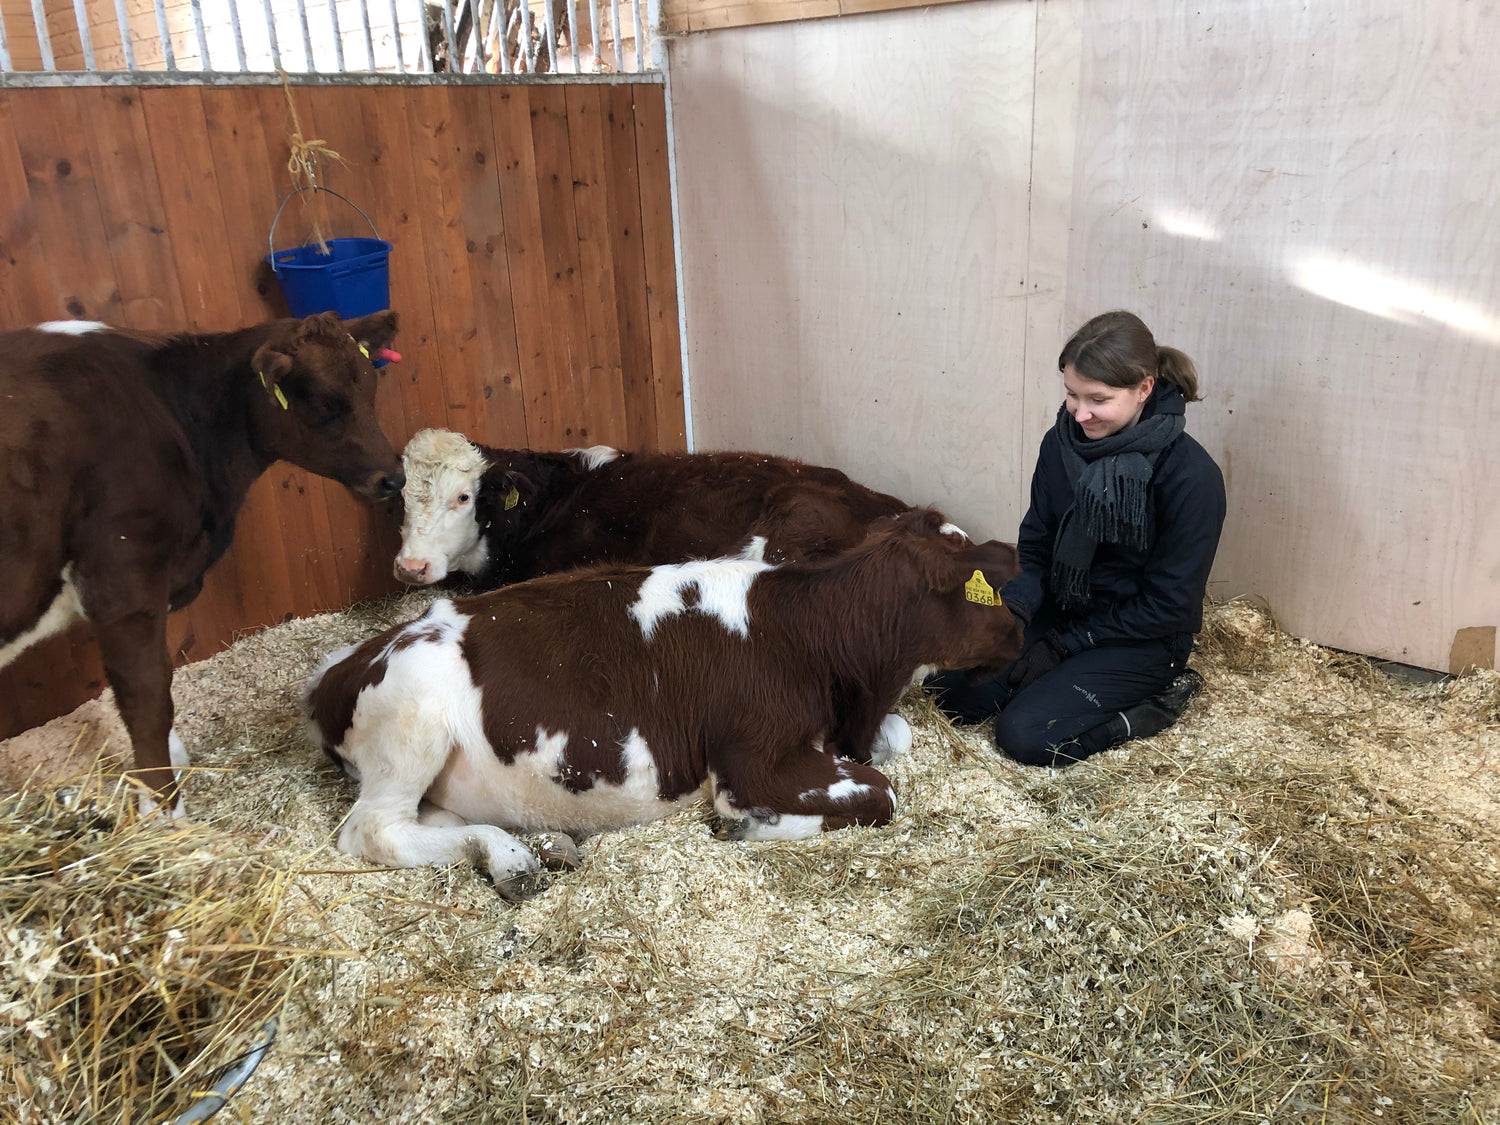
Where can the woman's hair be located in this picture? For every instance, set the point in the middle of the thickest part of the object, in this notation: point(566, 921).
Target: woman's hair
point(1116, 348)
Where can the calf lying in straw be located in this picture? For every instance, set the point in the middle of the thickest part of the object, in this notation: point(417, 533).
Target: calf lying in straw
point(595, 699)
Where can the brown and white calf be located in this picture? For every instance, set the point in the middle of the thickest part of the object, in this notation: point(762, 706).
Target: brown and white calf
point(505, 515)
point(126, 459)
point(611, 696)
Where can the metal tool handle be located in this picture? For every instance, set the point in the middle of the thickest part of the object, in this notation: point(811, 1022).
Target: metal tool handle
point(271, 238)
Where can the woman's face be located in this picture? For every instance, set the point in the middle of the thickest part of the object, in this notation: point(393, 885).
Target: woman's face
point(1101, 410)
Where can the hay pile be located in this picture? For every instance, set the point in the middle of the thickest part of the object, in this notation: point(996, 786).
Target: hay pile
point(138, 961)
point(1280, 910)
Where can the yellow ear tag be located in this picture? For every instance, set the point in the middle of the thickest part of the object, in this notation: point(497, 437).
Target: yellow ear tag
point(512, 498)
point(364, 351)
point(281, 398)
point(976, 589)
point(262, 375)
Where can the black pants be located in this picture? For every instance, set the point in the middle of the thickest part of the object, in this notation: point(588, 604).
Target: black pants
point(1088, 703)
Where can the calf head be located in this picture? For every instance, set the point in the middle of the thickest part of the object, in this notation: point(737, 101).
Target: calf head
point(966, 624)
point(319, 410)
point(440, 530)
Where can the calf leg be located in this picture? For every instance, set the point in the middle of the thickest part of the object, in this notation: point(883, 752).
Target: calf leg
point(556, 850)
point(892, 739)
point(391, 824)
point(382, 833)
point(809, 792)
point(134, 651)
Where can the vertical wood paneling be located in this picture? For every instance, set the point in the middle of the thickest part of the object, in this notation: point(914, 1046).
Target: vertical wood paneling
point(436, 152)
point(540, 361)
point(534, 306)
point(50, 135)
point(631, 312)
point(135, 217)
point(25, 286)
point(661, 266)
point(560, 252)
point(601, 377)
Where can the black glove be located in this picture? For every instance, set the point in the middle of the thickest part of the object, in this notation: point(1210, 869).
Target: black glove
point(1039, 658)
point(1020, 613)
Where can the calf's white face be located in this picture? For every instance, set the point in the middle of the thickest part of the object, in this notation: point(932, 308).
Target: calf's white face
point(440, 528)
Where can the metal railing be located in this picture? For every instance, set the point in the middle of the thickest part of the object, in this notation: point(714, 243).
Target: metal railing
point(398, 37)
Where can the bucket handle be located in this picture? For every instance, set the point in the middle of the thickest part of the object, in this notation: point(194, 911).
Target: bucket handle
point(271, 238)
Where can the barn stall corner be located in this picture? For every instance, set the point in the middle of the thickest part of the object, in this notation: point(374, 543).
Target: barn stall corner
point(532, 269)
point(1281, 909)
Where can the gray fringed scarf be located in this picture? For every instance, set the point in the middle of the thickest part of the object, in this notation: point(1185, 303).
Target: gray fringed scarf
point(1111, 480)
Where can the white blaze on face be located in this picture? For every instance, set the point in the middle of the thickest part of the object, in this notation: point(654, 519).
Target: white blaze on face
point(954, 529)
point(72, 327)
point(440, 528)
point(723, 590)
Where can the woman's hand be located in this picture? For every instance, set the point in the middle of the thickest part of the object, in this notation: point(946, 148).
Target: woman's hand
point(1039, 658)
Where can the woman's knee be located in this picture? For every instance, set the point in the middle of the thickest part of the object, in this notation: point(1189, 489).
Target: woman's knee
point(1021, 741)
point(1035, 745)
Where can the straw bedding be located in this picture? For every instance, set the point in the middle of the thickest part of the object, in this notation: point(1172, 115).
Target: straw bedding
point(1283, 909)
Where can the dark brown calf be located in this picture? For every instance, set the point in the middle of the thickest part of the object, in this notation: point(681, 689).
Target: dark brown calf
point(505, 515)
point(126, 459)
point(590, 700)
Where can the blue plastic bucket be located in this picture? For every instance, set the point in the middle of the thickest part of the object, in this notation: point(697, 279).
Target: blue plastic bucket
point(352, 278)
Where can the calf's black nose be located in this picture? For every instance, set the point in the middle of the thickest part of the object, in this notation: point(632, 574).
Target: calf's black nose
point(390, 485)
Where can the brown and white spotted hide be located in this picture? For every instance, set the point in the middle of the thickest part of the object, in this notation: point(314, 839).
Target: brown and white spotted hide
point(591, 700)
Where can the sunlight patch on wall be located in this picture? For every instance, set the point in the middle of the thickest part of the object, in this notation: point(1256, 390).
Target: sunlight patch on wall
point(1185, 224)
point(1362, 288)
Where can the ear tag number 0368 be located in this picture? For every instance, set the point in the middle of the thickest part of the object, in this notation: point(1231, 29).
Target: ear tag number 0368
point(977, 590)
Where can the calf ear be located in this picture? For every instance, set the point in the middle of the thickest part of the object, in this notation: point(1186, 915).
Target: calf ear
point(508, 488)
point(320, 325)
point(376, 331)
point(996, 562)
point(272, 365)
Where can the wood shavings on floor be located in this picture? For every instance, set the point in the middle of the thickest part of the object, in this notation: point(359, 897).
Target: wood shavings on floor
point(1281, 909)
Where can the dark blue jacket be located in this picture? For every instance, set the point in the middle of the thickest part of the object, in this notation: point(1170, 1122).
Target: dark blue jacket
point(1135, 595)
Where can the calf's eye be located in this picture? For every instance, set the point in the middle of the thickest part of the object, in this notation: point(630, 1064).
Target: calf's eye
point(463, 498)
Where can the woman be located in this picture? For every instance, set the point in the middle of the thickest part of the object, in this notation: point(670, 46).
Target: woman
point(1125, 516)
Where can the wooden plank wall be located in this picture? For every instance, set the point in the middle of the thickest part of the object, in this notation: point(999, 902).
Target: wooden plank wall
point(679, 17)
point(533, 270)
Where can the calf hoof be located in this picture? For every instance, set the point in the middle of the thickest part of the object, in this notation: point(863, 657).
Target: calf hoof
point(150, 808)
point(729, 829)
point(748, 827)
point(559, 853)
point(519, 888)
point(892, 739)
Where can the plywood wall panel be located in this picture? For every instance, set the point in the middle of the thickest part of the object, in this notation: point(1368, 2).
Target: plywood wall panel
point(1291, 193)
point(855, 248)
point(152, 208)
